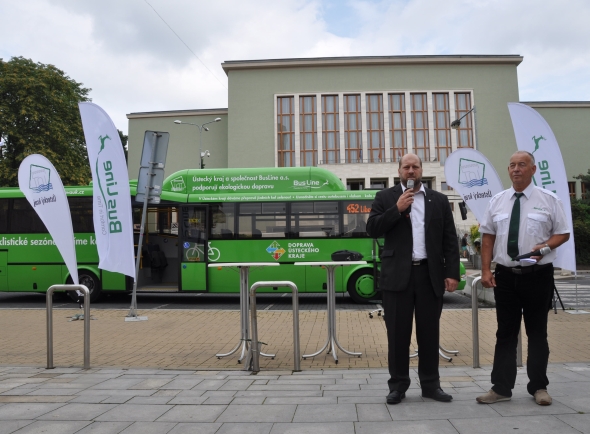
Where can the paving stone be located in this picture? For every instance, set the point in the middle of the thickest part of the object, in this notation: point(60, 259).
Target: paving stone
point(326, 413)
point(252, 400)
point(150, 400)
point(116, 384)
point(319, 400)
point(236, 385)
point(440, 410)
point(26, 410)
point(10, 426)
point(218, 400)
point(193, 413)
point(373, 412)
point(77, 411)
point(313, 428)
point(195, 428)
point(54, 427)
point(258, 413)
point(187, 400)
point(149, 428)
point(520, 424)
point(269, 393)
point(577, 403)
point(105, 428)
point(29, 398)
point(245, 428)
point(55, 392)
point(581, 422)
point(134, 413)
point(152, 383)
point(405, 427)
point(116, 399)
point(90, 399)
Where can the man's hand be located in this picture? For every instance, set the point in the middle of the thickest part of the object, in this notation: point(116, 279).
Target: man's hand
point(451, 284)
point(487, 279)
point(405, 200)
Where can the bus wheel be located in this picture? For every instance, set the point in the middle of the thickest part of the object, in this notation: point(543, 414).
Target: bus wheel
point(91, 282)
point(360, 286)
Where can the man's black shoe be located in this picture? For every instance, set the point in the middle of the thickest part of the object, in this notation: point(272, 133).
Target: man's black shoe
point(395, 397)
point(437, 395)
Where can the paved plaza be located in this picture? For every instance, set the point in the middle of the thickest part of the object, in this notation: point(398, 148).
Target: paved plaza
point(162, 376)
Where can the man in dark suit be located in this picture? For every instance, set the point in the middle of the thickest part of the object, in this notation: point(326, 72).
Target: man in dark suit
point(420, 261)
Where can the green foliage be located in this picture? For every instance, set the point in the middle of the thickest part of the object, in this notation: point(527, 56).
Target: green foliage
point(581, 221)
point(39, 115)
point(475, 235)
point(124, 140)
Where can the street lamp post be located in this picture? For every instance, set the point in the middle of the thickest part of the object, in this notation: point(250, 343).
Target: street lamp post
point(457, 123)
point(201, 128)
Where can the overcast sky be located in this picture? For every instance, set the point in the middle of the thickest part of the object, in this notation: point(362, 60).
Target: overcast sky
point(128, 53)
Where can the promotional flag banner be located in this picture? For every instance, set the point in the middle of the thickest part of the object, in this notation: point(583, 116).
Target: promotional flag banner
point(533, 134)
point(470, 173)
point(42, 186)
point(112, 199)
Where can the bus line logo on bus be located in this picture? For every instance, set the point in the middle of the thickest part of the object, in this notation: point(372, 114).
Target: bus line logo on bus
point(107, 182)
point(275, 250)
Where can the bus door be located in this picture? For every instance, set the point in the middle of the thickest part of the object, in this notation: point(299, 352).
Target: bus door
point(193, 247)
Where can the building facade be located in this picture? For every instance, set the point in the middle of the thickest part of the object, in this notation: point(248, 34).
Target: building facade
point(356, 116)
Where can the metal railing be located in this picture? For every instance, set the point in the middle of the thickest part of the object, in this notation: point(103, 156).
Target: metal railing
point(254, 347)
point(49, 297)
point(475, 327)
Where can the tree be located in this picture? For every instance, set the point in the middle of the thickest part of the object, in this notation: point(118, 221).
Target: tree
point(586, 181)
point(124, 140)
point(39, 115)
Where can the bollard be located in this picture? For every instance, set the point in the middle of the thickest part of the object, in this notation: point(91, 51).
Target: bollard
point(255, 347)
point(49, 299)
point(475, 321)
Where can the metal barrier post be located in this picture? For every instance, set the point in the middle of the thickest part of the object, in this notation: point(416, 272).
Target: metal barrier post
point(49, 298)
point(475, 321)
point(254, 347)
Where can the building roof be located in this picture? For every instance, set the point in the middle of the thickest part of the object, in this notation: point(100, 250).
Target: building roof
point(174, 113)
point(510, 59)
point(557, 104)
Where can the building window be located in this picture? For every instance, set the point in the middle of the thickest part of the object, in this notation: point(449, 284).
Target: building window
point(380, 183)
point(465, 130)
point(397, 125)
point(444, 186)
point(572, 189)
point(420, 126)
point(355, 184)
point(286, 131)
point(330, 129)
point(442, 131)
point(584, 195)
point(375, 134)
point(353, 143)
point(308, 131)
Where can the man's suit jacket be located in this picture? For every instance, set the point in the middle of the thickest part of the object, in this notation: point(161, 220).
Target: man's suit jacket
point(441, 239)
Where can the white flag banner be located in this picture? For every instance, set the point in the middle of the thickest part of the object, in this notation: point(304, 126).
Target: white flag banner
point(533, 134)
point(112, 199)
point(470, 173)
point(42, 186)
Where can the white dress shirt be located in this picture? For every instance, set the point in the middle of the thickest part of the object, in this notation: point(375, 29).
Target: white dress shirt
point(417, 217)
point(541, 216)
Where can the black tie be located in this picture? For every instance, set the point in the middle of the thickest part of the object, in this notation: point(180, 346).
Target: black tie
point(513, 228)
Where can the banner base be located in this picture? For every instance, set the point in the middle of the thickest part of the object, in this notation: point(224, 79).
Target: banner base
point(136, 318)
point(576, 312)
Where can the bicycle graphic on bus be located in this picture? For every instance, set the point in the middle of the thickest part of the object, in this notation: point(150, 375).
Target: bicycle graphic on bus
point(193, 252)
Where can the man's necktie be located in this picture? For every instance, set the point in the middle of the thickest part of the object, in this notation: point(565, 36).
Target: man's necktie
point(513, 228)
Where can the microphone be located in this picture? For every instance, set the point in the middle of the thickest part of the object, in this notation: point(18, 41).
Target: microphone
point(409, 186)
point(541, 252)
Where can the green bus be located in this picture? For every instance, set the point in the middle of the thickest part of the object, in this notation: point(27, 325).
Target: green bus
point(283, 215)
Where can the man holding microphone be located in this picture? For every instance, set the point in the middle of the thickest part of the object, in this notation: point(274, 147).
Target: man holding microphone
point(520, 220)
point(419, 262)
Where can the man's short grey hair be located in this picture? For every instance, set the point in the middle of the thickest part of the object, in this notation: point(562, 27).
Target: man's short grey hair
point(399, 166)
point(528, 153)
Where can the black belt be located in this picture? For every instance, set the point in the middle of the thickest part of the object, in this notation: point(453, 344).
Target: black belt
point(523, 270)
point(420, 262)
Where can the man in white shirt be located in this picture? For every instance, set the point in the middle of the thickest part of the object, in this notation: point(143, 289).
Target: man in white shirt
point(420, 260)
point(519, 220)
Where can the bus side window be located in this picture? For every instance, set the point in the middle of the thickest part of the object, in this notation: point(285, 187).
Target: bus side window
point(222, 221)
point(4, 215)
point(24, 219)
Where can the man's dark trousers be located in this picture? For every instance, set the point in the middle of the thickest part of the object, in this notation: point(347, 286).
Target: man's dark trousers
point(520, 296)
point(398, 308)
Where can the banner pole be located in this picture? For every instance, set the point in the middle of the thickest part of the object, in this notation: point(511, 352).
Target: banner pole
point(132, 315)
